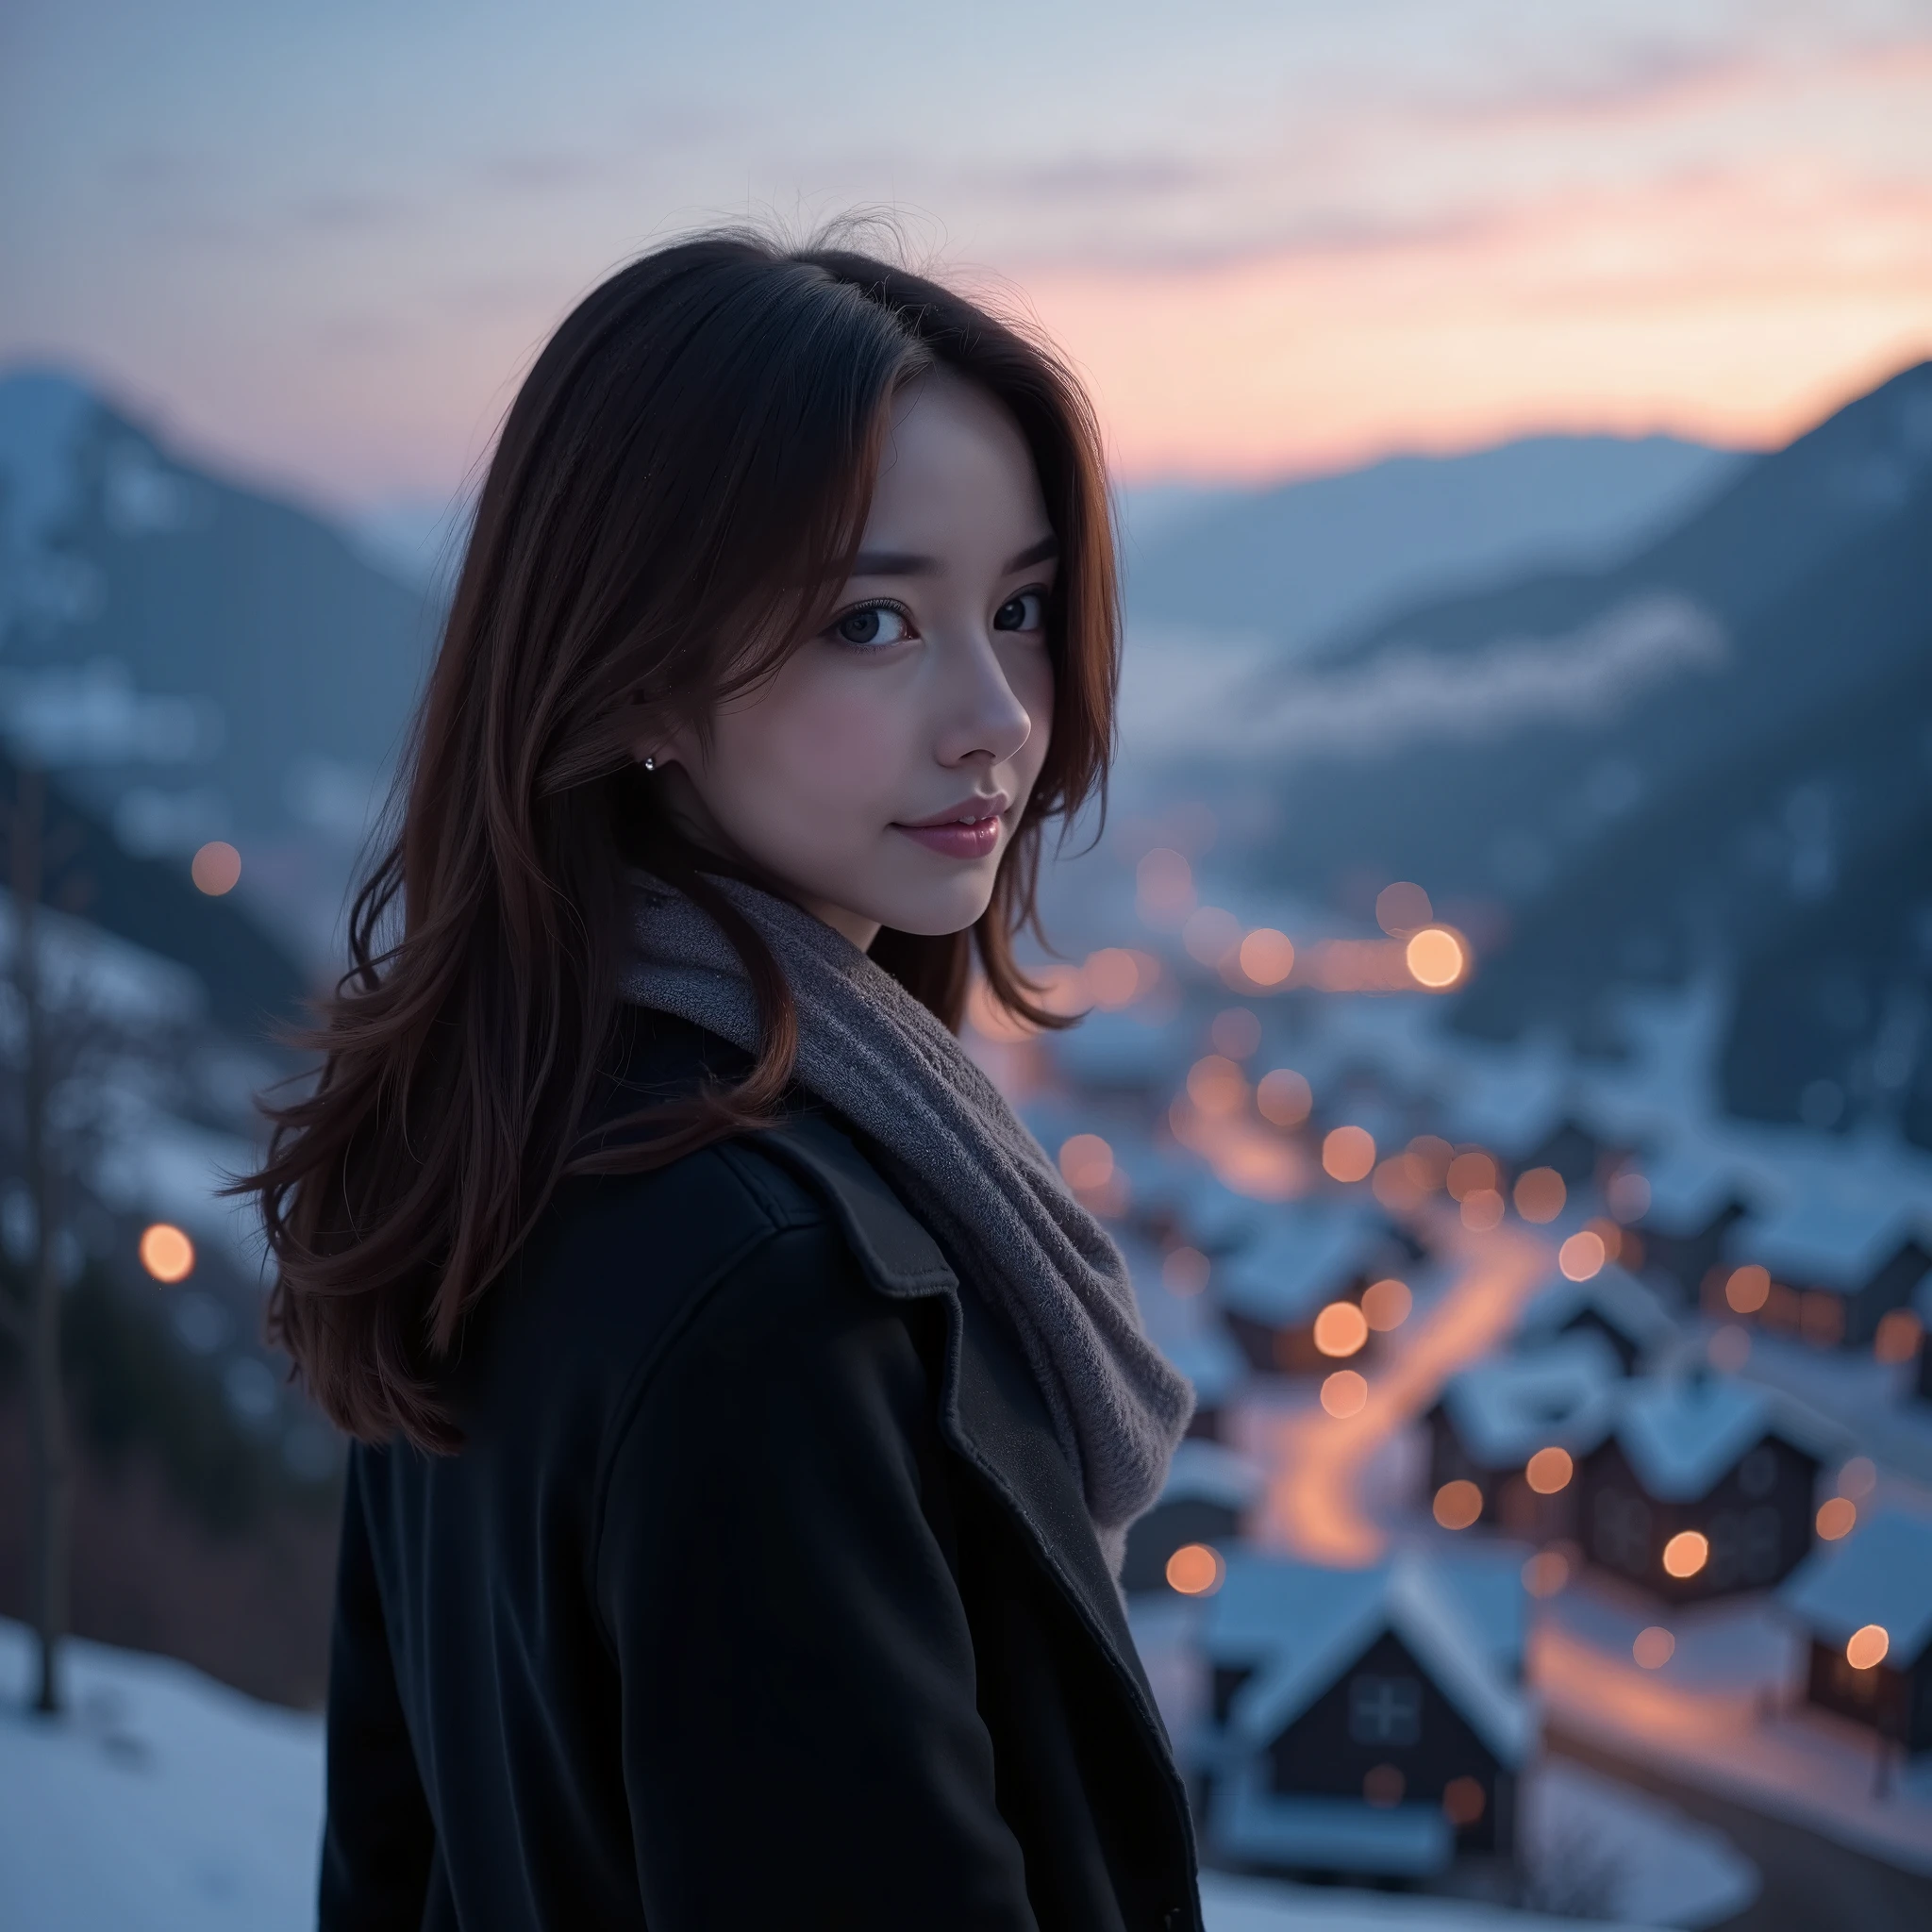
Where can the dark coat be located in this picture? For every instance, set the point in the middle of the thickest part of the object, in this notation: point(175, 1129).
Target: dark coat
point(760, 1594)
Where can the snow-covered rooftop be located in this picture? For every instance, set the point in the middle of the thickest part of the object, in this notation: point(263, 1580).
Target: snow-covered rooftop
point(1684, 1433)
point(1834, 1229)
point(1624, 1305)
point(1208, 1473)
point(1881, 1573)
point(1693, 1180)
point(1308, 1254)
point(1504, 1408)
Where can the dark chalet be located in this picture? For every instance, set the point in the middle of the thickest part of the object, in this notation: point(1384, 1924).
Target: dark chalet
point(1866, 1606)
point(1627, 1313)
point(1703, 1488)
point(1365, 1722)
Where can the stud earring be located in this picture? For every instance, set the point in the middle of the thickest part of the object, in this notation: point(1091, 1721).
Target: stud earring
point(650, 761)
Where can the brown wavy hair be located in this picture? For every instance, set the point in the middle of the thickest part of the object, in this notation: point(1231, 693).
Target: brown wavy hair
point(674, 500)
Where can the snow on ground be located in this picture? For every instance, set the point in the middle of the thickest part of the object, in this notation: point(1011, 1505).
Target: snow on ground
point(164, 1802)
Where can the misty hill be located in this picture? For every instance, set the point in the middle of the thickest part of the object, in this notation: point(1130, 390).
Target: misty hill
point(196, 658)
point(1295, 563)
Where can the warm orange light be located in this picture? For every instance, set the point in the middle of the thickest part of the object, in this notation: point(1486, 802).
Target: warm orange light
point(1685, 1553)
point(1857, 1477)
point(1546, 1573)
point(1898, 1336)
point(1462, 1801)
point(1345, 1393)
point(1482, 1210)
point(1436, 957)
point(1383, 1785)
point(1196, 1570)
point(1402, 907)
point(1386, 1305)
point(1747, 1288)
point(1654, 1648)
point(1469, 1173)
point(166, 1253)
point(1839, 1517)
point(1211, 933)
point(1185, 1271)
point(1164, 887)
point(1434, 1156)
point(1396, 1184)
point(1113, 977)
point(1459, 1504)
point(1348, 1154)
point(1267, 957)
point(1216, 1085)
point(1582, 1255)
point(1548, 1470)
point(216, 868)
point(1866, 1647)
point(1283, 1097)
point(1540, 1193)
point(1086, 1161)
point(1340, 1330)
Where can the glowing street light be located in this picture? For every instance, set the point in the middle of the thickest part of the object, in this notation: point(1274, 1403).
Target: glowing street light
point(166, 1253)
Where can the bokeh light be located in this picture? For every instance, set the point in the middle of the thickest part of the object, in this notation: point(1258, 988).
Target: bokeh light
point(1546, 1573)
point(1196, 1570)
point(1458, 1504)
point(1729, 1348)
point(1283, 1097)
point(1437, 957)
point(1340, 1330)
point(1866, 1647)
point(1747, 1288)
point(1469, 1172)
point(1401, 909)
point(1113, 977)
point(1216, 1085)
point(1348, 1154)
point(1858, 1479)
point(1549, 1471)
point(1384, 1786)
point(1463, 1800)
point(1898, 1336)
point(1185, 1271)
point(1267, 957)
point(1345, 1393)
point(1582, 1255)
point(1540, 1193)
point(1685, 1553)
point(1210, 933)
point(1482, 1210)
point(1836, 1517)
point(1164, 888)
point(166, 1253)
point(216, 868)
point(1236, 1033)
point(1654, 1647)
point(1386, 1305)
point(1628, 1194)
point(1086, 1162)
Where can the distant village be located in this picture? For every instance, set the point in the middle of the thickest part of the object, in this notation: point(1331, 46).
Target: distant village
point(1535, 1401)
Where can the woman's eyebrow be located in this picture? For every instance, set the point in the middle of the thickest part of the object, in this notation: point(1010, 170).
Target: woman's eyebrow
point(912, 563)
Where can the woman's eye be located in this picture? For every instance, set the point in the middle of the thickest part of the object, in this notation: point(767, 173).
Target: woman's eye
point(874, 625)
point(1027, 611)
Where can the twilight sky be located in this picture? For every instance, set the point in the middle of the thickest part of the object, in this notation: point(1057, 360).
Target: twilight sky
point(1277, 235)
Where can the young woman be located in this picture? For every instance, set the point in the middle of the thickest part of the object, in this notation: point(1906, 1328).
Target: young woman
point(747, 1421)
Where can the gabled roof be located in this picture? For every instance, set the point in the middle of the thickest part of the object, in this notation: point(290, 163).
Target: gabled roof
point(1306, 1255)
point(1208, 1473)
point(1832, 1230)
point(1691, 1182)
point(1683, 1433)
point(1625, 1305)
point(1881, 1573)
point(1404, 1598)
point(1504, 1408)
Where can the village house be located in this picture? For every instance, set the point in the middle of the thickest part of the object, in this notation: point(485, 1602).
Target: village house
point(1497, 1415)
point(1703, 1488)
point(1310, 1252)
point(1627, 1313)
point(1367, 1722)
point(1208, 1491)
point(1842, 1255)
point(1866, 1605)
point(1696, 1197)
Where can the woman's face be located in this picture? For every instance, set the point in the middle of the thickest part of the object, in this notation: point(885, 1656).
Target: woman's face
point(881, 772)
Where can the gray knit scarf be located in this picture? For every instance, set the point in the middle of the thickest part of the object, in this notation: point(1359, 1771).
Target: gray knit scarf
point(967, 1169)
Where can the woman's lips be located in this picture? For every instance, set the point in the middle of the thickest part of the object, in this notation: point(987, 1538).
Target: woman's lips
point(959, 839)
